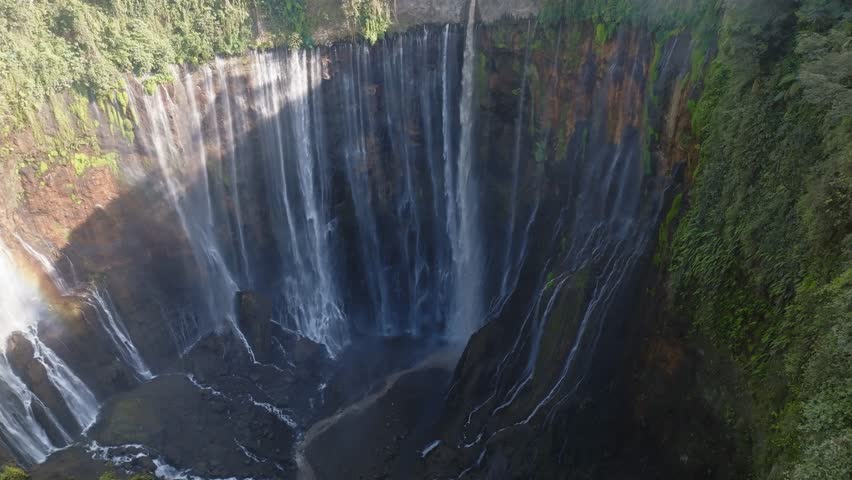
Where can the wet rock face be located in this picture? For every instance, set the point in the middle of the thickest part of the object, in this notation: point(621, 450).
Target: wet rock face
point(76, 338)
point(79, 462)
point(6, 457)
point(535, 393)
point(210, 432)
point(398, 424)
point(556, 114)
point(274, 345)
point(289, 368)
point(134, 247)
point(59, 200)
point(21, 355)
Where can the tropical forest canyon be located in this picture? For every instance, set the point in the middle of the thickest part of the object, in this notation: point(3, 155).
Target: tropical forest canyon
point(425, 239)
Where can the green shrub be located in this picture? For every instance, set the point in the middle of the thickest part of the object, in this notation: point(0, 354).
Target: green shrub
point(372, 17)
point(9, 472)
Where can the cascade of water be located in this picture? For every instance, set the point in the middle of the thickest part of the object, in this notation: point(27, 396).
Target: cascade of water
point(269, 76)
point(46, 265)
point(21, 307)
point(358, 130)
point(603, 233)
point(290, 107)
point(397, 83)
point(512, 256)
point(432, 297)
point(114, 326)
point(467, 310)
point(18, 424)
point(177, 143)
point(158, 133)
point(196, 148)
point(447, 133)
point(104, 309)
point(18, 299)
point(80, 400)
point(321, 318)
point(230, 154)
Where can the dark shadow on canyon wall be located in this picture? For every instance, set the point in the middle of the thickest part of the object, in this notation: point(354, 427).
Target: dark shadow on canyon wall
point(554, 112)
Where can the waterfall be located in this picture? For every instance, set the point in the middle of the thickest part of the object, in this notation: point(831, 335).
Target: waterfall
point(407, 175)
point(231, 151)
point(97, 298)
point(46, 265)
point(21, 308)
point(289, 103)
point(18, 425)
point(177, 143)
point(603, 231)
point(467, 309)
point(79, 399)
point(112, 323)
point(399, 80)
point(344, 183)
point(358, 130)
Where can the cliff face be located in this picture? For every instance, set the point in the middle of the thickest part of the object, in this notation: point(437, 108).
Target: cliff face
point(329, 184)
point(546, 387)
point(581, 371)
point(245, 226)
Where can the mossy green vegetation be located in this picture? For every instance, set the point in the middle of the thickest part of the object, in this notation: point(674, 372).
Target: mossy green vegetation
point(372, 17)
point(664, 235)
point(65, 134)
point(50, 46)
point(11, 472)
point(88, 45)
point(762, 261)
point(664, 19)
point(83, 162)
point(110, 475)
point(608, 15)
point(286, 23)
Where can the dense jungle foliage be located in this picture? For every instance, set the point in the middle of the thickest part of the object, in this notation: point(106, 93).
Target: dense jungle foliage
point(47, 46)
point(762, 260)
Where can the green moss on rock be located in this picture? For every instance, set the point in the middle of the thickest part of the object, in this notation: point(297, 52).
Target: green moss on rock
point(10, 472)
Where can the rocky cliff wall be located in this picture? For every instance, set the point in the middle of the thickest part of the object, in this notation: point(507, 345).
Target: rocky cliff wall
point(558, 113)
point(535, 372)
